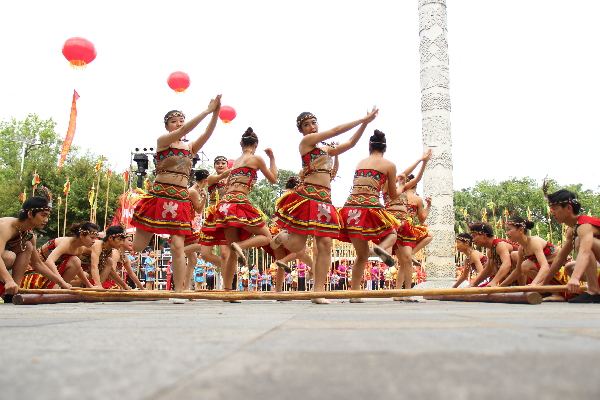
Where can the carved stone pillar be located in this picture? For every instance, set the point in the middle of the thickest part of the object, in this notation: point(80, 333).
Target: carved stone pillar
point(435, 108)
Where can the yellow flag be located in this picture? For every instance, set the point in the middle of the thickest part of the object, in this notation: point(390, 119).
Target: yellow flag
point(91, 195)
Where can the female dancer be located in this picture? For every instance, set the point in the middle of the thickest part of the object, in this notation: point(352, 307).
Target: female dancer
point(474, 259)
point(198, 199)
point(363, 217)
point(535, 254)
point(501, 254)
point(216, 189)
point(61, 255)
point(408, 233)
point(274, 248)
point(308, 210)
point(167, 208)
point(236, 219)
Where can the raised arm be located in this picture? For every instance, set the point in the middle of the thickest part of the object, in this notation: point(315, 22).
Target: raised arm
point(214, 107)
point(168, 138)
point(413, 182)
point(311, 140)
point(212, 179)
point(270, 173)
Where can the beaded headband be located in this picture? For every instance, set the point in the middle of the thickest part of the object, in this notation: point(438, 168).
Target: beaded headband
point(300, 120)
point(119, 235)
point(35, 209)
point(173, 114)
point(220, 158)
point(517, 224)
point(464, 239)
point(573, 202)
point(86, 232)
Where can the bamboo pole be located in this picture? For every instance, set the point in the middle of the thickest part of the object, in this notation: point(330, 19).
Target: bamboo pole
point(339, 294)
point(58, 216)
point(34, 299)
point(106, 203)
point(65, 218)
point(513, 298)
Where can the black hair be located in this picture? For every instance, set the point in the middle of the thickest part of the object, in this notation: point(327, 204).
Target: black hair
point(173, 113)
point(75, 229)
point(482, 227)
point(292, 182)
point(563, 197)
point(303, 117)
point(114, 230)
point(521, 222)
point(249, 138)
point(219, 158)
point(377, 142)
point(465, 238)
point(34, 204)
point(201, 174)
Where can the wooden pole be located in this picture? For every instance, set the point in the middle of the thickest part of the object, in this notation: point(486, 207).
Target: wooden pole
point(34, 299)
point(106, 203)
point(58, 216)
point(513, 298)
point(65, 218)
point(296, 295)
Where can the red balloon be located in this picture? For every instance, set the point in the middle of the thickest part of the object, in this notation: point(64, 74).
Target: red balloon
point(178, 81)
point(79, 51)
point(227, 114)
point(230, 163)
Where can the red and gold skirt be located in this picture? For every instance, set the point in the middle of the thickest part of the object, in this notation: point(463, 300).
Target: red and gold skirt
point(308, 211)
point(166, 209)
point(363, 217)
point(209, 225)
point(408, 234)
point(234, 211)
point(35, 280)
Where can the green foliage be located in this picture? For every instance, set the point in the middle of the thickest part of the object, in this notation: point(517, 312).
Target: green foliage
point(42, 148)
point(264, 194)
point(515, 197)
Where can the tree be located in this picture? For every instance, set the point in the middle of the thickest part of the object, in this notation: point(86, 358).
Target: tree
point(523, 197)
point(264, 194)
point(41, 145)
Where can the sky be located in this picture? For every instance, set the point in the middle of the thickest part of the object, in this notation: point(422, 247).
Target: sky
point(523, 77)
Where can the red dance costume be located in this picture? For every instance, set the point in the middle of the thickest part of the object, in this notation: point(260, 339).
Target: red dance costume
point(86, 265)
point(235, 210)
point(307, 210)
point(587, 219)
point(215, 192)
point(408, 233)
point(35, 280)
point(167, 208)
point(363, 216)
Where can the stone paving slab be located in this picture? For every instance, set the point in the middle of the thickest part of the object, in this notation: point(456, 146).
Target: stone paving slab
point(263, 349)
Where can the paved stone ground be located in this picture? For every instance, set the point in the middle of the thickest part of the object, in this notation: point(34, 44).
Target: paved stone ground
point(296, 350)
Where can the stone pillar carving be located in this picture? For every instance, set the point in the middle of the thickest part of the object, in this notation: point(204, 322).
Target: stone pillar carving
point(435, 108)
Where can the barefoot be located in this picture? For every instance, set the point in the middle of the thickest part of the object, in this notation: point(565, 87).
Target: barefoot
point(356, 300)
point(384, 255)
point(283, 265)
point(240, 253)
point(320, 300)
point(554, 298)
point(278, 239)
